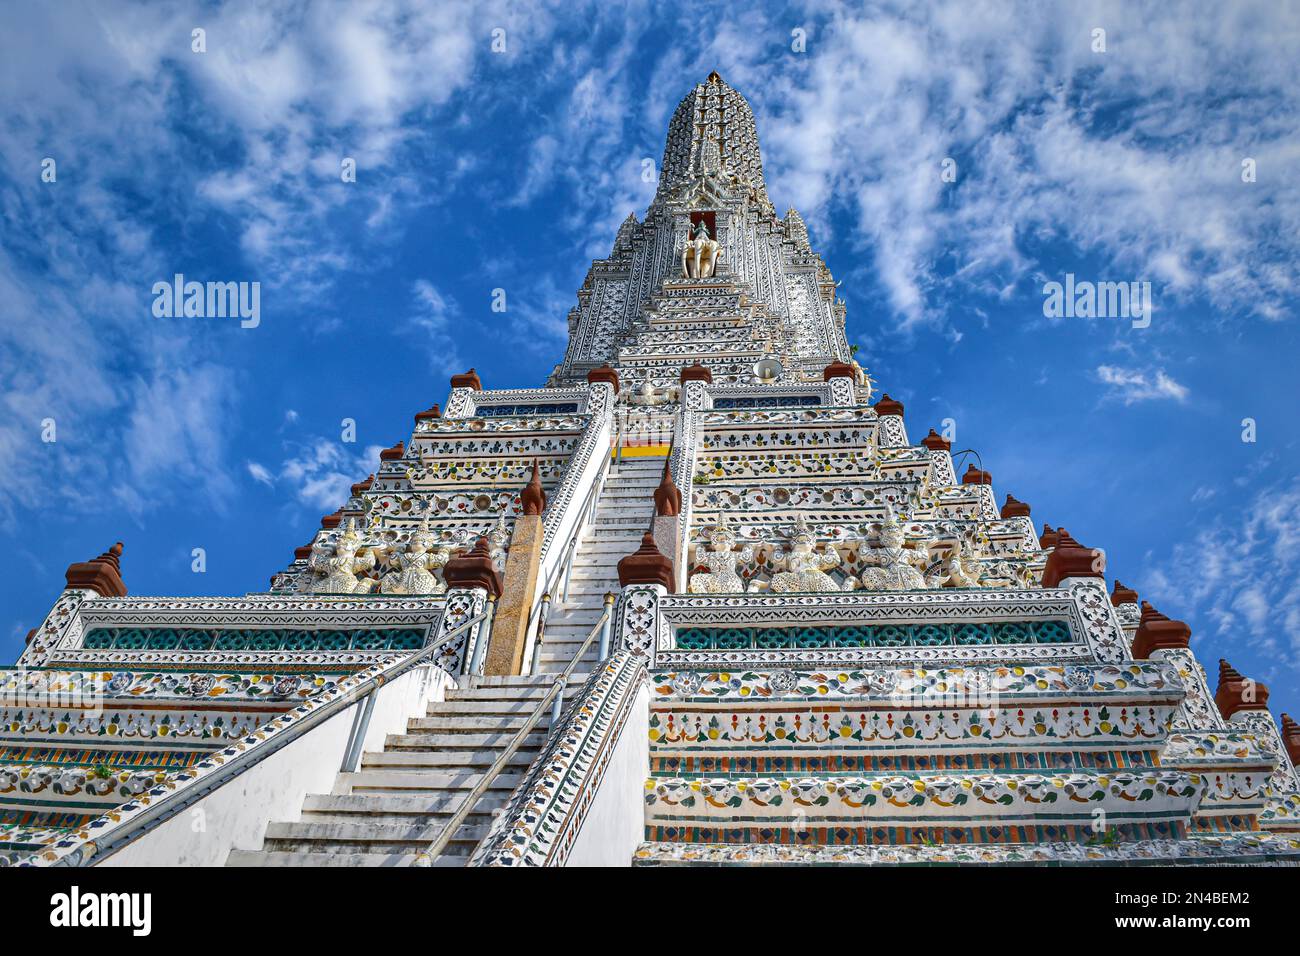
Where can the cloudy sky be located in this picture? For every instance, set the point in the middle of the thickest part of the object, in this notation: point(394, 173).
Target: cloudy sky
point(482, 168)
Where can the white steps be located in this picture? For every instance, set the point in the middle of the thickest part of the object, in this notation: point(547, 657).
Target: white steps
point(623, 514)
point(400, 798)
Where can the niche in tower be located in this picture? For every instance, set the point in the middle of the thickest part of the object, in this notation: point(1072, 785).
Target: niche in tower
point(710, 219)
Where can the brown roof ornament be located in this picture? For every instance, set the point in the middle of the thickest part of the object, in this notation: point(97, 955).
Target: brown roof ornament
point(329, 522)
point(668, 497)
point(393, 454)
point(1122, 595)
point(429, 414)
point(468, 379)
point(103, 574)
point(1047, 539)
point(936, 442)
point(1070, 559)
point(303, 552)
point(362, 486)
point(533, 497)
point(473, 570)
point(696, 373)
point(975, 476)
point(1015, 508)
point(647, 565)
point(1236, 692)
point(887, 406)
point(605, 373)
point(1291, 739)
point(840, 370)
point(1156, 632)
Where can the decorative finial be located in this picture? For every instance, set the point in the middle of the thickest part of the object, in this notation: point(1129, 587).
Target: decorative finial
point(1237, 693)
point(533, 497)
point(103, 574)
point(668, 497)
point(647, 565)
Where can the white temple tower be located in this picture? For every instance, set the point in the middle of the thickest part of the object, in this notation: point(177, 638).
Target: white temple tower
point(700, 598)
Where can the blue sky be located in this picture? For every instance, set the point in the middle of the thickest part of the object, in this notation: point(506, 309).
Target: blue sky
point(479, 170)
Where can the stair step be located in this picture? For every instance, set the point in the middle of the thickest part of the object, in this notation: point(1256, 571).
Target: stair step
point(424, 781)
point(332, 838)
point(421, 762)
point(393, 809)
point(291, 858)
point(454, 742)
point(487, 708)
point(439, 723)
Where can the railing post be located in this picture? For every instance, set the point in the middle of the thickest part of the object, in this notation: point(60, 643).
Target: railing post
point(357, 738)
point(543, 613)
point(475, 666)
point(558, 706)
point(604, 628)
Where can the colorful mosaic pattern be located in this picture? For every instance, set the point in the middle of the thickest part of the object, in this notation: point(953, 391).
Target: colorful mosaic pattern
point(197, 639)
point(778, 401)
point(878, 635)
point(1252, 848)
point(564, 408)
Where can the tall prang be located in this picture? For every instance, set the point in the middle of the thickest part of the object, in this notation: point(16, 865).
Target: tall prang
point(700, 599)
point(712, 273)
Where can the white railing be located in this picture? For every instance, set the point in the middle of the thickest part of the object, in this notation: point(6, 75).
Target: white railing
point(553, 699)
point(117, 829)
point(581, 802)
point(556, 584)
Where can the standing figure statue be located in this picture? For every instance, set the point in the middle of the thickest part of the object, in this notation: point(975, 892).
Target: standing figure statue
point(961, 568)
point(890, 565)
point(720, 559)
point(805, 567)
point(700, 254)
point(413, 566)
point(334, 569)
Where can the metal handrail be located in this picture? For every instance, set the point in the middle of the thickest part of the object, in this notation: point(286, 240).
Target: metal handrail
point(553, 698)
point(560, 573)
point(195, 788)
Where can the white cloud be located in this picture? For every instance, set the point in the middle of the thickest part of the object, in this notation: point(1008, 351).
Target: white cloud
point(1131, 385)
point(260, 474)
point(1239, 573)
point(430, 322)
point(322, 472)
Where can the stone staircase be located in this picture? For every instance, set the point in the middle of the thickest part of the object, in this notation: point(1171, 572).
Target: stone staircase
point(401, 797)
point(622, 516)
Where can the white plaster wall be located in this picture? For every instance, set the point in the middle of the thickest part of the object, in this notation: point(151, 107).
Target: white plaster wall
point(615, 823)
point(237, 812)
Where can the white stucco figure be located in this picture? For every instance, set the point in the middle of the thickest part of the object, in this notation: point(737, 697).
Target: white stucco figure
point(413, 565)
point(890, 565)
point(334, 569)
point(720, 559)
point(805, 567)
point(700, 254)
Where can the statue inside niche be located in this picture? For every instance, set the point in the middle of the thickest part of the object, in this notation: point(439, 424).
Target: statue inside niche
point(334, 568)
point(806, 567)
point(413, 565)
point(720, 559)
point(700, 254)
point(890, 565)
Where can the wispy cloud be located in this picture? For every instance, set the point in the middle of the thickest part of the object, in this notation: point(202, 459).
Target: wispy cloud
point(1239, 572)
point(319, 473)
point(1131, 385)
